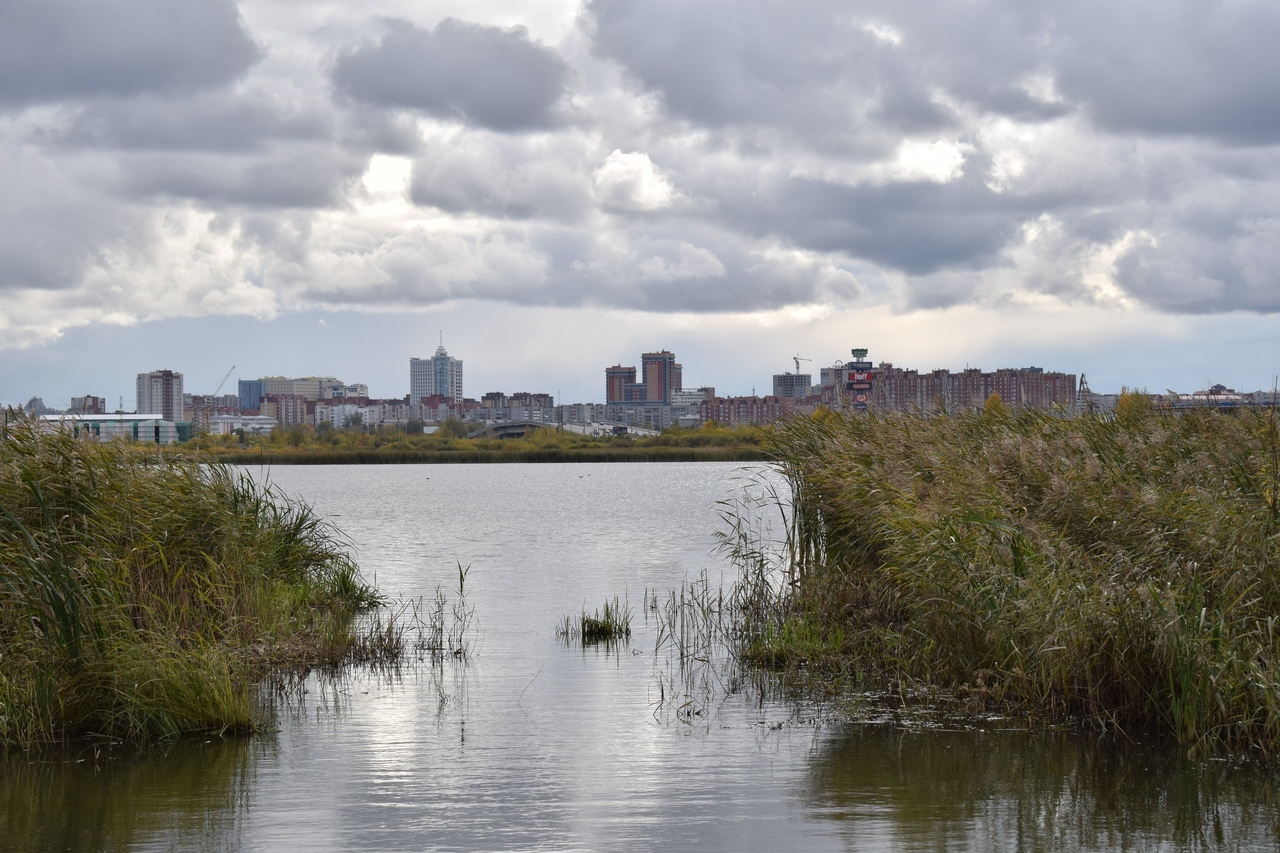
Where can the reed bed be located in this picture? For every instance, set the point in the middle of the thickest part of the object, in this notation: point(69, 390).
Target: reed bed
point(395, 456)
point(142, 595)
point(1120, 570)
point(607, 625)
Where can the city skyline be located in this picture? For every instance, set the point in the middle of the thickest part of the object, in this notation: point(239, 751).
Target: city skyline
point(391, 382)
point(306, 190)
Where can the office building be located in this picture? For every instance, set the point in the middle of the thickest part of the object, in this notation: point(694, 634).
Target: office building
point(250, 394)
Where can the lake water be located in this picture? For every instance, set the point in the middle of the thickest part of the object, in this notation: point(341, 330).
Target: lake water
point(535, 744)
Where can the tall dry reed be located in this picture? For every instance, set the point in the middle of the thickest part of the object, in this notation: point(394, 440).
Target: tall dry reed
point(141, 594)
point(1118, 569)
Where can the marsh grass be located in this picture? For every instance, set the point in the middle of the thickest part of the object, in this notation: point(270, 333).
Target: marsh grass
point(141, 594)
point(449, 626)
point(608, 625)
point(1120, 570)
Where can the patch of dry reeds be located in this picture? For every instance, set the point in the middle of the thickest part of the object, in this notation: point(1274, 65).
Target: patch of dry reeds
point(141, 594)
point(1119, 569)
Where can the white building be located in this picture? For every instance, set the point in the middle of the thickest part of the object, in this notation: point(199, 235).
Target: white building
point(439, 375)
point(148, 428)
point(251, 424)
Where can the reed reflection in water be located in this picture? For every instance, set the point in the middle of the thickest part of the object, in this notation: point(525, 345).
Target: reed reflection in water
point(1013, 790)
point(537, 745)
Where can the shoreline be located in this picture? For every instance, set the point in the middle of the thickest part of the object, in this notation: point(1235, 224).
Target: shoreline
point(484, 457)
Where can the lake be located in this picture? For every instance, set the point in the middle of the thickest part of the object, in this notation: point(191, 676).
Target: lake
point(532, 743)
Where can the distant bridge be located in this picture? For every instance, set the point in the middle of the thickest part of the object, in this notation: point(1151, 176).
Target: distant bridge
point(519, 429)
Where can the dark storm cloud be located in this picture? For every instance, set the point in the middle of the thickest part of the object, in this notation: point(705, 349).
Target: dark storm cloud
point(50, 229)
point(53, 50)
point(832, 77)
point(488, 76)
point(917, 227)
point(303, 176)
point(1181, 67)
point(503, 177)
point(759, 155)
point(214, 121)
point(722, 62)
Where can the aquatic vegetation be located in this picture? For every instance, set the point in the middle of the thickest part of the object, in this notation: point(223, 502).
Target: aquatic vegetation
point(447, 630)
point(143, 594)
point(607, 625)
point(1118, 570)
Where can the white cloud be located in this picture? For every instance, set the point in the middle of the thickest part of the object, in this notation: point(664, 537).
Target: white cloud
point(726, 158)
point(694, 262)
point(630, 182)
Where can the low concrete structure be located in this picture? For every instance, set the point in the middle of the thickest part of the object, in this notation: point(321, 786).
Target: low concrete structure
point(153, 429)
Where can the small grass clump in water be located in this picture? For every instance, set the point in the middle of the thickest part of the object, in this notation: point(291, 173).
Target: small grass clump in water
point(607, 626)
point(1123, 570)
point(142, 595)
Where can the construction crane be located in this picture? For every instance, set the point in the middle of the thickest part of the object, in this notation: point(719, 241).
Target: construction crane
point(797, 359)
point(209, 402)
point(224, 381)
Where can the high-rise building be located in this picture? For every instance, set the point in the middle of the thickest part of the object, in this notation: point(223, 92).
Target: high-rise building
point(659, 378)
point(793, 386)
point(160, 393)
point(251, 392)
point(616, 380)
point(660, 375)
point(441, 374)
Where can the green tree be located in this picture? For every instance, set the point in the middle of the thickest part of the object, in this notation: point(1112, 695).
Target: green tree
point(453, 428)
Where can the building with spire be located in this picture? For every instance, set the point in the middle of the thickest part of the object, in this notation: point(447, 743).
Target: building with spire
point(440, 375)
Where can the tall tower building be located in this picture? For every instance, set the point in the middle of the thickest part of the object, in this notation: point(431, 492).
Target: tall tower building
point(251, 392)
point(660, 375)
point(616, 380)
point(160, 393)
point(441, 374)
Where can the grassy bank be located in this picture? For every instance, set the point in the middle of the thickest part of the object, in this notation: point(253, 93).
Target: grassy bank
point(142, 595)
point(1117, 570)
point(308, 446)
point(464, 455)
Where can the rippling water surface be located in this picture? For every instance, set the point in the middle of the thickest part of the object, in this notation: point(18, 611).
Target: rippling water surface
point(535, 745)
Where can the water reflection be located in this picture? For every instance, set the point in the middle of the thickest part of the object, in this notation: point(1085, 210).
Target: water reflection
point(940, 790)
point(534, 745)
point(188, 795)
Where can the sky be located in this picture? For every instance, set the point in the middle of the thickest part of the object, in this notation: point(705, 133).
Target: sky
point(330, 188)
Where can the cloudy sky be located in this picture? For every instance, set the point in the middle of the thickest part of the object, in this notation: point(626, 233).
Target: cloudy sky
point(302, 187)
